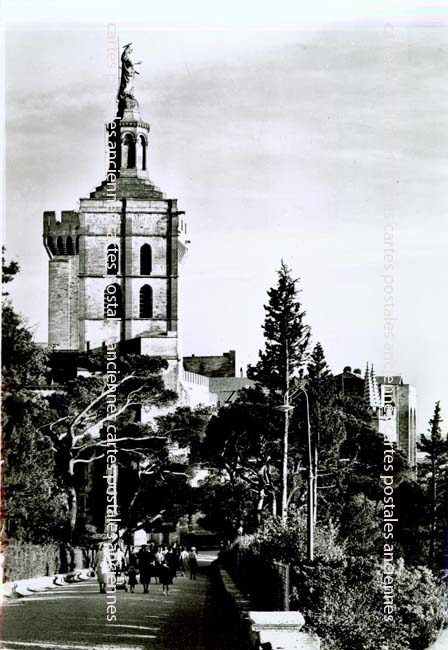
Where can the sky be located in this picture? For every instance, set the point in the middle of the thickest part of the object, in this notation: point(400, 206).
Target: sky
point(304, 142)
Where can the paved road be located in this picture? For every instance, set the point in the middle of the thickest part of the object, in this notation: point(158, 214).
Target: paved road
point(74, 618)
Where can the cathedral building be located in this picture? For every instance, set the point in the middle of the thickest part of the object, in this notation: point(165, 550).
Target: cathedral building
point(115, 264)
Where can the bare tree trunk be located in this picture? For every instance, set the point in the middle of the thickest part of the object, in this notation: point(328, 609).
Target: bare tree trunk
point(260, 503)
point(72, 499)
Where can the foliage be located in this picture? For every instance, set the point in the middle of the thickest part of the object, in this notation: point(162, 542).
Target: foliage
point(84, 406)
point(344, 604)
point(227, 506)
point(33, 501)
point(26, 560)
point(23, 362)
point(286, 337)
point(287, 541)
point(411, 510)
point(434, 477)
point(36, 507)
point(360, 523)
point(242, 445)
point(341, 597)
point(327, 431)
point(186, 427)
point(9, 270)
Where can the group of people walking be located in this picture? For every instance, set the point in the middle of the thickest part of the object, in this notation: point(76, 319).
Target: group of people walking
point(159, 562)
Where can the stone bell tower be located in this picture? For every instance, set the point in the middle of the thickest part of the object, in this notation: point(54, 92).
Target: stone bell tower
point(114, 265)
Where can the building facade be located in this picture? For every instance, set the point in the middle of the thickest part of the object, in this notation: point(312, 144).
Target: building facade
point(114, 265)
point(115, 270)
point(392, 403)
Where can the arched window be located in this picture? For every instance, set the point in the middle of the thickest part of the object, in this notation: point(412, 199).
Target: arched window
point(143, 148)
point(146, 301)
point(113, 301)
point(69, 242)
point(112, 259)
point(60, 245)
point(145, 260)
point(128, 152)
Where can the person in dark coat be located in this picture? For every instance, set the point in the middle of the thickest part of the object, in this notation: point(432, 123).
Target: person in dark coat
point(165, 577)
point(145, 568)
point(172, 560)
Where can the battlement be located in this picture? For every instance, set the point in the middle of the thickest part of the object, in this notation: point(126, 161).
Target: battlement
point(61, 236)
point(68, 222)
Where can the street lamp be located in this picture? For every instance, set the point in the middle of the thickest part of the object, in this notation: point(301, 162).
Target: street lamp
point(286, 408)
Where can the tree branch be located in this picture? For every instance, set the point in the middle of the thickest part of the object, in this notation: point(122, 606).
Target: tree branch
point(88, 460)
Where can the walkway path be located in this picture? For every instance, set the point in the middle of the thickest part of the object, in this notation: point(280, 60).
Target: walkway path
point(74, 618)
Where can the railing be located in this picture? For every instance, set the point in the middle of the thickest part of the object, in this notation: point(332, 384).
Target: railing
point(282, 586)
point(267, 583)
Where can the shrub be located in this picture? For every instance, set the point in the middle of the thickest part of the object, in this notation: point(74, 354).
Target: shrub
point(341, 597)
point(343, 604)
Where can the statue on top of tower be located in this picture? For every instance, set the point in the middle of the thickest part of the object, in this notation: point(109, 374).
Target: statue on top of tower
point(127, 74)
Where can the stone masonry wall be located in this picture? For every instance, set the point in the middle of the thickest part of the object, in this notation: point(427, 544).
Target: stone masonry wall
point(144, 222)
point(63, 333)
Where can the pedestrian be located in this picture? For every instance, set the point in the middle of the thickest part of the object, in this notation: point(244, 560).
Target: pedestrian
point(193, 562)
point(132, 578)
point(159, 556)
point(172, 561)
point(120, 560)
point(102, 565)
point(153, 569)
point(166, 577)
point(144, 566)
point(183, 561)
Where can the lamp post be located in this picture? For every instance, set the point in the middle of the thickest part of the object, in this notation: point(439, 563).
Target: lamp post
point(286, 408)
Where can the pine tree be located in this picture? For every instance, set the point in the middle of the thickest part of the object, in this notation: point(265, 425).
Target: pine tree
point(436, 448)
point(287, 337)
point(286, 351)
point(327, 429)
point(320, 383)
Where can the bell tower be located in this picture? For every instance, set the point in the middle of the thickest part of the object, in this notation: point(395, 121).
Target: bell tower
point(114, 265)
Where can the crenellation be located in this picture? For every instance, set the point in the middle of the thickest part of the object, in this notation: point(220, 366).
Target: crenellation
point(68, 222)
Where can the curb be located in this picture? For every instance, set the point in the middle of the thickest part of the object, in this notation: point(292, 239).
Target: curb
point(238, 601)
point(31, 586)
point(267, 630)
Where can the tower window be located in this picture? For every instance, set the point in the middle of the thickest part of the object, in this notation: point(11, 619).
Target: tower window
point(146, 301)
point(143, 147)
point(112, 261)
point(60, 245)
point(145, 260)
point(113, 301)
point(69, 243)
point(128, 152)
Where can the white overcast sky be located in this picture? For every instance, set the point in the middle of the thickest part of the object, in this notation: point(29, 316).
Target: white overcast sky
point(285, 140)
